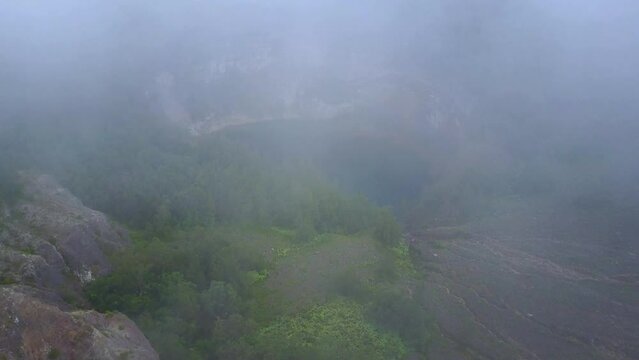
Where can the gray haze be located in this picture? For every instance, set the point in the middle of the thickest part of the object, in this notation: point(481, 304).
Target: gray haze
point(520, 78)
point(440, 179)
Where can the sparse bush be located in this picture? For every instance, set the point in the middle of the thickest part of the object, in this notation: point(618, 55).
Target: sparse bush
point(54, 353)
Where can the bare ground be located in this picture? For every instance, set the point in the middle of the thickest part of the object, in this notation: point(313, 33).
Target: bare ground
point(523, 294)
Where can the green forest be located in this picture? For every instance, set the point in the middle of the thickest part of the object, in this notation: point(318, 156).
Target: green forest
point(226, 239)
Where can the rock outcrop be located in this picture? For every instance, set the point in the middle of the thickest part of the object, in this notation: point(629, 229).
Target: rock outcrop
point(49, 239)
point(51, 245)
point(36, 324)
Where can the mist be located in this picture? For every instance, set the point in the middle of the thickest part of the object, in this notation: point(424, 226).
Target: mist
point(548, 67)
point(429, 151)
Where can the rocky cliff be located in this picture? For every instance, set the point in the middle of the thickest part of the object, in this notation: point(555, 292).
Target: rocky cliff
point(50, 246)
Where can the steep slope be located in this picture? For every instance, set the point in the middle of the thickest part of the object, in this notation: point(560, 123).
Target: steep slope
point(50, 246)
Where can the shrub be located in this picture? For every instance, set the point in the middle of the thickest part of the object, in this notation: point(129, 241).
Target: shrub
point(336, 330)
point(403, 316)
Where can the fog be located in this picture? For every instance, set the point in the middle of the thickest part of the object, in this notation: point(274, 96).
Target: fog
point(510, 123)
point(499, 98)
point(568, 65)
point(523, 97)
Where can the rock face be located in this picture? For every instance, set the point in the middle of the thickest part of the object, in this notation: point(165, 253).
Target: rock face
point(39, 325)
point(50, 246)
point(50, 240)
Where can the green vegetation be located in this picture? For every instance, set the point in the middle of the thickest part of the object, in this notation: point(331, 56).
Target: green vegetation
point(5, 280)
point(234, 250)
point(53, 354)
point(239, 292)
point(337, 330)
point(167, 180)
point(29, 250)
point(185, 290)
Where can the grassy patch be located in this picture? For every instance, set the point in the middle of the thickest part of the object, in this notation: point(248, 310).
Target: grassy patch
point(6, 280)
point(336, 330)
point(403, 259)
point(306, 275)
